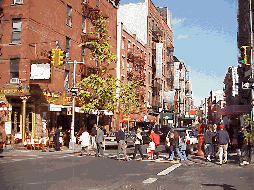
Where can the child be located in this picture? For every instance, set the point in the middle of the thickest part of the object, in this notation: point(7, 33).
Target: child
point(182, 147)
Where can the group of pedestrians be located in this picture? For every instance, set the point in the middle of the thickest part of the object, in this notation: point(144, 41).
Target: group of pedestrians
point(177, 144)
point(216, 143)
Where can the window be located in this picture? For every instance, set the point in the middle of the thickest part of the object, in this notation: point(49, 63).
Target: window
point(68, 45)
point(68, 19)
point(14, 68)
point(17, 1)
point(84, 24)
point(16, 30)
point(123, 43)
point(97, 3)
point(122, 63)
point(66, 80)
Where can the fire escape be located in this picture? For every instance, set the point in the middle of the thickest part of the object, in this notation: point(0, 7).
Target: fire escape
point(137, 70)
point(1, 35)
point(92, 14)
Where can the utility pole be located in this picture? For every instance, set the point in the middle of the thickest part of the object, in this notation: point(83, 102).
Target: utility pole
point(74, 91)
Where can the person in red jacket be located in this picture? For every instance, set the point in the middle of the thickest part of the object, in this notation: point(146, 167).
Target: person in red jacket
point(156, 139)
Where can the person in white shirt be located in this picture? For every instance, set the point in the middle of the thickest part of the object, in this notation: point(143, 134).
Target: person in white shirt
point(138, 142)
point(85, 142)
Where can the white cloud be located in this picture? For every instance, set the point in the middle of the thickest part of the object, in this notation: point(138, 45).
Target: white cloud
point(178, 20)
point(182, 36)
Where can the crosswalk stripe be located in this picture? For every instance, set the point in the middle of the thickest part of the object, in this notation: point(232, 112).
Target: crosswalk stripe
point(169, 169)
point(150, 180)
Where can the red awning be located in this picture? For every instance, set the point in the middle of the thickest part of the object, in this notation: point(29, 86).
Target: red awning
point(151, 118)
point(235, 109)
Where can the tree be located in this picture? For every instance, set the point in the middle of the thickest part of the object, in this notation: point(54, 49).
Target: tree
point(101, 91)
point(248, 129)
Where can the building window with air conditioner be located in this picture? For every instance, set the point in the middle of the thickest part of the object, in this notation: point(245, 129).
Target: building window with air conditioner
point(16, 31)
point(68, 18)
point(14, 69)
point(68, 47)
point(84, 24)
point(17, 1)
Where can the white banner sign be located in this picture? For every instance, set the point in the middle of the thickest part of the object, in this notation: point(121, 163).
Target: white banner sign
point(158, 60)
point(169, 96)
point(8, 127)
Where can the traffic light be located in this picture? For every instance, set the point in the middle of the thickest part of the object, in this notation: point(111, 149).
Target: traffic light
point(52, 56)
point(61, 57)
point(243, 59)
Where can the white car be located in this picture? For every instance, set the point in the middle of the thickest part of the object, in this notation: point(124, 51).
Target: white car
point(190, 139)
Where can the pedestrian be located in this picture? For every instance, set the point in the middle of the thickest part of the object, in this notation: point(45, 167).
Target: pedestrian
point(174, 142)
point(182, 147)
point(154, 137)
point(245, 148)
point(93, 136)
point(85, 142)
point(99, 140)
point(137, 143)
point(56, 138)
point(120, 137)
point(214, 141)
point(223, 140)
point(208, 141)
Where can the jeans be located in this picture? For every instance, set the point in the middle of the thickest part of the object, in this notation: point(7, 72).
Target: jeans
point(223, 151)
point(183, 154)
point(209, 150)
point(178, 153)
point(138, 148)
point(99, 149)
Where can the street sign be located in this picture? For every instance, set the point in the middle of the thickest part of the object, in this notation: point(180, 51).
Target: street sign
point(74, 89)
point(247, 85)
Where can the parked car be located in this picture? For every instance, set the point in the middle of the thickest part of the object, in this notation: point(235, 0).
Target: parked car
point(111, 141)
point(190, 139)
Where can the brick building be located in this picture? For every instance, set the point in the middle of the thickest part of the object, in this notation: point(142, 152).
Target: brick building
point(34, 93)
point(153, 28)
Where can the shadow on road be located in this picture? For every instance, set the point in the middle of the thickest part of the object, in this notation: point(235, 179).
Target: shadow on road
point(224, 186)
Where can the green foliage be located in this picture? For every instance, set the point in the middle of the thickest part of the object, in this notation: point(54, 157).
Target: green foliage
point(107, 94)
point(100, 48)
point(248, 129)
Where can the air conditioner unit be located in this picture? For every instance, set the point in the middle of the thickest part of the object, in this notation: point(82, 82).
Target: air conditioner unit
point(67, 55)
point(85, 1)
point(18, 1)
point(14, 81)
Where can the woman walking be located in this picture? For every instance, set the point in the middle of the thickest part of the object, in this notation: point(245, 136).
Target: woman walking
point(138, 142)
point(174, 142)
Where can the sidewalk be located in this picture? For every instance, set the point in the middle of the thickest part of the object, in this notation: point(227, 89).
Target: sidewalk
point(232, 160)
point(64, 150)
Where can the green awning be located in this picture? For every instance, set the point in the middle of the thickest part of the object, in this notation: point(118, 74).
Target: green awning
point(168, 116)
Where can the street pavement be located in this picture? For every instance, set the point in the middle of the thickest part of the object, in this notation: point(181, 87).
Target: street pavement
point(34, 169)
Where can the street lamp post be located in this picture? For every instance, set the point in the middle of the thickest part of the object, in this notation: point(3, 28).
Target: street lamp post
point(74, 91)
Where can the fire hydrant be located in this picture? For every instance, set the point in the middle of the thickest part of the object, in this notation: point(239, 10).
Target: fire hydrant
point(200, 140)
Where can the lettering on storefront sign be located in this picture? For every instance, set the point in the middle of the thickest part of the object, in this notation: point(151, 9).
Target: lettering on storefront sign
point(10, 91)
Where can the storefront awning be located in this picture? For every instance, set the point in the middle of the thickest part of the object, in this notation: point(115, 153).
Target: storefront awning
point(235, 109)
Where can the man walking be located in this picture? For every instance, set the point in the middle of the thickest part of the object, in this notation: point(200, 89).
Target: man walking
point(93, 135)
point(120, 137)
point(138, 142)
point(223, 140)
point(208, 140)
point(56, 138)
point(99, 140)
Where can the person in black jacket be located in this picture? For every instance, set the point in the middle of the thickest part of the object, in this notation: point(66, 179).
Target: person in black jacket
point(120, 137)
point(56, 138)
point(208, 141)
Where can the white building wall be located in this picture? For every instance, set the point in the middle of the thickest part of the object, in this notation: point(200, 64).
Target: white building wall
point(134, 17)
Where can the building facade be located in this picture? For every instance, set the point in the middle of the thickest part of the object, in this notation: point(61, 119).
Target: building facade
point(33, 90)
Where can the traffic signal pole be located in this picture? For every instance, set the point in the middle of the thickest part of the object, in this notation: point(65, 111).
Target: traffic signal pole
point(74, 94)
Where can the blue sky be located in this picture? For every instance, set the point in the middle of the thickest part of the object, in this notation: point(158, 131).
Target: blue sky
point(205, 38)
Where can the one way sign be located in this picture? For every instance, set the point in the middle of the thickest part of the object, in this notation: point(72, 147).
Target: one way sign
point(247, 85)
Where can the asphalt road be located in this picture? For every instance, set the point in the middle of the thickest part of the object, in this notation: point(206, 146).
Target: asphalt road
point(70, 171)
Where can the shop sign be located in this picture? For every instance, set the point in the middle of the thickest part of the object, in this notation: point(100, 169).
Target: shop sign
point(8, 127)
point(12, 91)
